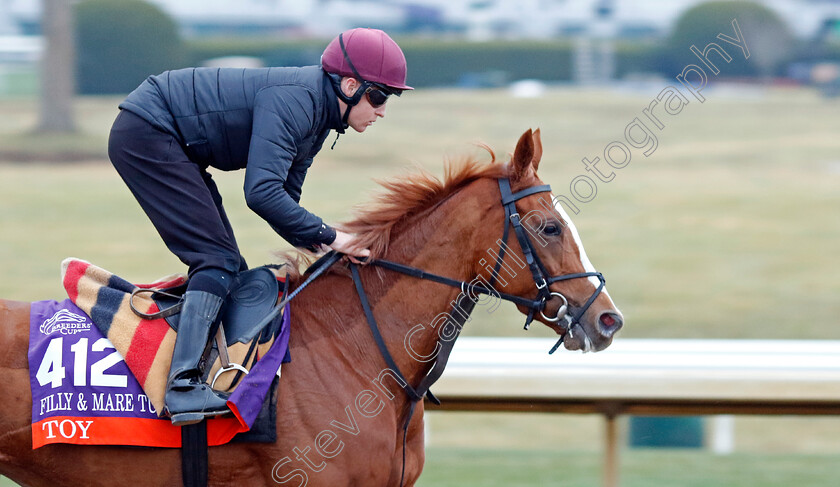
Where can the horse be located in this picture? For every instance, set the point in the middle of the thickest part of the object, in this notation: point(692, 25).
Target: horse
point(343, 416)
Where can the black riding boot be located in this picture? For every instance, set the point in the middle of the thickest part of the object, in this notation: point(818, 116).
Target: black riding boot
point(188, 399)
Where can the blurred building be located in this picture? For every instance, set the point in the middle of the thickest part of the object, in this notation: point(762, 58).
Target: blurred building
point(595, 25)
point(474, 19)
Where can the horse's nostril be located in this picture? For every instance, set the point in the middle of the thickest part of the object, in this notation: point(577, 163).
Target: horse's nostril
point(610, 322)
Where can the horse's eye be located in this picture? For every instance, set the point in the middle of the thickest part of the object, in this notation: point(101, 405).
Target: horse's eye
point(552, 230)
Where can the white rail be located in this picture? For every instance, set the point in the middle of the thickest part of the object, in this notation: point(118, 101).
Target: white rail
point(668, 377)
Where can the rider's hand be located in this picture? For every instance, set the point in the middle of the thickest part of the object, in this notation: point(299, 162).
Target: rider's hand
point(346, 244)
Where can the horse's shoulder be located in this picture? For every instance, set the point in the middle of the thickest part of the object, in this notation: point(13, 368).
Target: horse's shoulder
point(13, 309)
point(14, 334)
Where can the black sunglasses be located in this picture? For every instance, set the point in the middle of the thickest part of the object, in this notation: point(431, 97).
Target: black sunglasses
point(377, 95)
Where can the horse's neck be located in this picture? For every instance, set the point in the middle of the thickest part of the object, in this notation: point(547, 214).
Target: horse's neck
point(410, 311)
point(335, 327)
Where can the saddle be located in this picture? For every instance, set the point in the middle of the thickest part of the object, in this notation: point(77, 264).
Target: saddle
point(141, 322)
point(252, 296)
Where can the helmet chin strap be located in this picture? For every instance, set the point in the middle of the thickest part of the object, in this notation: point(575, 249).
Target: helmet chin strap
point(360, 91)
point(350, 101)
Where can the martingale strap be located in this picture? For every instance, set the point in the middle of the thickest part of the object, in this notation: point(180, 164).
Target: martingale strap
point(441, 359)
point(460, 312)
point(377, 335)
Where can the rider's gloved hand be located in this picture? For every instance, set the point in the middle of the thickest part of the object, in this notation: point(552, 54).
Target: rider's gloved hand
point(346, 244)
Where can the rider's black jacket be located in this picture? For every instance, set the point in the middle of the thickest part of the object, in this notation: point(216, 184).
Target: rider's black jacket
point(270, 121)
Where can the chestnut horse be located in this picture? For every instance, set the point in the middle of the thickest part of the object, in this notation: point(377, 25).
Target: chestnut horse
point(340, 410)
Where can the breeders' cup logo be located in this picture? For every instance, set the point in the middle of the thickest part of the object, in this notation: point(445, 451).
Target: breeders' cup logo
point(66, 323)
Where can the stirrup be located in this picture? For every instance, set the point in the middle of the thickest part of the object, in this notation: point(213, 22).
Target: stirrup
point(226, 364)
point(230, 368)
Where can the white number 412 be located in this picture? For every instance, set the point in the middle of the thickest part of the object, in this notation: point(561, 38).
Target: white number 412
point(52, 368)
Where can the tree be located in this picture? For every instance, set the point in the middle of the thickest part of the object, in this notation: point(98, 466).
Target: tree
point(57, 64)
point(121, 42)
point(767, 36)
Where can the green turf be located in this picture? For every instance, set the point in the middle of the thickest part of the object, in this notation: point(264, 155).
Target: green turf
point(728, 230)
point(639, 468)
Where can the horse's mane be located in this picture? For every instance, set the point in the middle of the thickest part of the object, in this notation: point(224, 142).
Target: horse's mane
point(411, 194)
point(403, 197)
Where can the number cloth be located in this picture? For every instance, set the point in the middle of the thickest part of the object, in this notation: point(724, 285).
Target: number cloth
point(84, 392)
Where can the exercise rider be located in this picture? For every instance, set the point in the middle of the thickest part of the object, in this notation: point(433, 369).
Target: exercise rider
point(269, 121)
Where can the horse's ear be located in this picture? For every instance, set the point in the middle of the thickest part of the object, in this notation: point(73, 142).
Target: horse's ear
point(537, 150)
point(522, 155)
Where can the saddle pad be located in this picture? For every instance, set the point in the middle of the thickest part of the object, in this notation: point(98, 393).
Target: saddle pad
point(146, 344)
point(83, 392)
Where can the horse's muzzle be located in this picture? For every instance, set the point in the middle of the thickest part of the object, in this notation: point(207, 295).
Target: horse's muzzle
point(609, 323)
point(592, 337)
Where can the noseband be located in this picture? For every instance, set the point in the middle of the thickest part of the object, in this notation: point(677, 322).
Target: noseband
point(538, 270)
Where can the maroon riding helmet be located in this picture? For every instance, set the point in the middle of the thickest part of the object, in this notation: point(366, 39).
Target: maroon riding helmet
point(369, 54)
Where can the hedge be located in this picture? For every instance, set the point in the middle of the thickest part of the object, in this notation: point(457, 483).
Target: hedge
point(440, 63)
point(431, 62)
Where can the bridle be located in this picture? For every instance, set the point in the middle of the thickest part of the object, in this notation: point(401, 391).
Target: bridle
point(535, 265)
point(538, 270)
point(461, 311)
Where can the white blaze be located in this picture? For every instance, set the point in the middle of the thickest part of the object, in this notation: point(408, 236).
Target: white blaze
point(584, 260)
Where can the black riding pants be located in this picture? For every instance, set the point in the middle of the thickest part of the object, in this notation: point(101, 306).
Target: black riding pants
point(178, 195)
